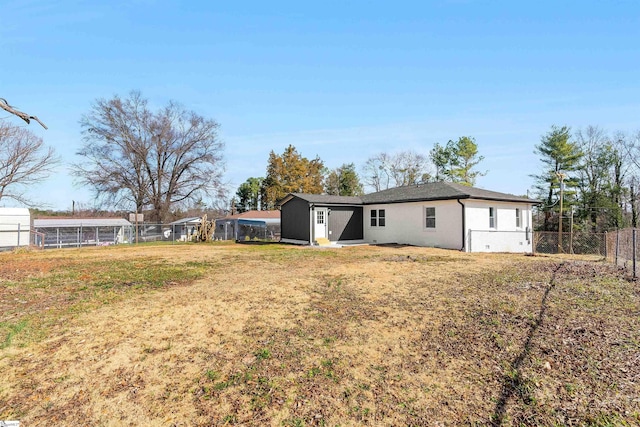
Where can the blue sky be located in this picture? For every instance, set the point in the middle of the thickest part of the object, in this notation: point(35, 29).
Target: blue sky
point(341, 80)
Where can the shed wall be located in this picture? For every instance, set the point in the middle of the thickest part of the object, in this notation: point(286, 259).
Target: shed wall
point(295, 220)
point(345, 223)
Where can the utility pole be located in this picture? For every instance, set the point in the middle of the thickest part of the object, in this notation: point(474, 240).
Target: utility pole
point(561, 176)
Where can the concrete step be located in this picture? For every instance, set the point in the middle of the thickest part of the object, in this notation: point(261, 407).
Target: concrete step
point(321, 241)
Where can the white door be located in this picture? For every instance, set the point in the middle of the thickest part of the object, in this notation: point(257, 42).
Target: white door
point(321, 221)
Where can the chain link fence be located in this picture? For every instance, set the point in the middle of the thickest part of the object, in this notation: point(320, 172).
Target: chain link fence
point(579, 243)
point(79, 236)
point(625, 249)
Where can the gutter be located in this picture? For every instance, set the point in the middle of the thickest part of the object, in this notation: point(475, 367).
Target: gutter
point(462, 249)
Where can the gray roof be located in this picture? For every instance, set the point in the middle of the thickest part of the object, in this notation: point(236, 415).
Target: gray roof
point(439, 191)
point(80, 222)
point(413, 193)
point(325, 199)
point(190, 220)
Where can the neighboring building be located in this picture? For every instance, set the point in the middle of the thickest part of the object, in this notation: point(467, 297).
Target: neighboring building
point(62, 232)
point(15, 227)
point(249, 225)
point(439, 214)
point(182, 229)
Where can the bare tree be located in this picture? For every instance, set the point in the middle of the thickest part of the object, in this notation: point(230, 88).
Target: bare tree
point(151, 160)
point(24, 161)
point(376, 172)
point(403, 168)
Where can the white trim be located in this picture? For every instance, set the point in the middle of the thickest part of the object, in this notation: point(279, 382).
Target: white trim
point(320, 230)
point(424, 218)
point(494, 217)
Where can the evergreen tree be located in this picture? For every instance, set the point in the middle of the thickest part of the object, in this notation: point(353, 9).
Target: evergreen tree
point(561, 159)
point(455, 161)
point(343, 181)
point(249, 194)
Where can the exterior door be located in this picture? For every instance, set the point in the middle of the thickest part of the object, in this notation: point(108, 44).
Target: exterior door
point(321, 221)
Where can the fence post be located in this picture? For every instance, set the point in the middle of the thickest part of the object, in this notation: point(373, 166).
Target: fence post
point(18, 234)
point(633, 250)
point(605, 246)
point(617, 244)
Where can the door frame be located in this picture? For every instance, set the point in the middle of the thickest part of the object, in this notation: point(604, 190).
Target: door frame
point(320, 230)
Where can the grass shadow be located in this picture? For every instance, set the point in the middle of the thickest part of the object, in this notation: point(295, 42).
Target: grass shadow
point(512, 381)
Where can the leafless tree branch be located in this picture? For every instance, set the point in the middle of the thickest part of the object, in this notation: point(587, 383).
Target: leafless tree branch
point(24, 116)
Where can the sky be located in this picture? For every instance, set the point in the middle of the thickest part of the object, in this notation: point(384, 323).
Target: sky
point(340, 80)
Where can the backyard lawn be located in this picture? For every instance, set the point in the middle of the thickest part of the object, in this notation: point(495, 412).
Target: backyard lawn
point(276, 335)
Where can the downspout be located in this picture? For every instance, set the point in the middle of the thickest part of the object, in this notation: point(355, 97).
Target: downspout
point(464, 232)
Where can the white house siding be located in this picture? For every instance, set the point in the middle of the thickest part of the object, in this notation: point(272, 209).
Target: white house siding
point(505, 237)
point(405, 223)
point(12, 220)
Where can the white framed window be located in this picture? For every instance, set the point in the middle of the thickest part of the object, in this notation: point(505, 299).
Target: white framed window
point(430, 217)
point(518, 218)
point(320, 217)
point(492, 217)
point(378, 217)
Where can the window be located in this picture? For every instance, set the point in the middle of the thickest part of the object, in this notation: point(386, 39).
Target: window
point(377, 217)
point(518, 218)
point(430, 214)
point(320, 217)
point(492, 217)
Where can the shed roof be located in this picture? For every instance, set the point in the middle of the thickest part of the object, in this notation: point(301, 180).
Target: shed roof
point(79, 222)
point(190, 220)
point(14, 211)
point(324, 199)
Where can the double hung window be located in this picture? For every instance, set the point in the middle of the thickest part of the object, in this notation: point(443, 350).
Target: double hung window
point(430, 217)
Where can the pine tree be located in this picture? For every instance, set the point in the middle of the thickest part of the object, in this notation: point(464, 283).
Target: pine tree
point(560, 157)
point(455, 161)
point(343, 181)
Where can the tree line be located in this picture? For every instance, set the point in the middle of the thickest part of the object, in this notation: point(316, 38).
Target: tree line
point(169, 160)
point(594, 173)
point(290, 172)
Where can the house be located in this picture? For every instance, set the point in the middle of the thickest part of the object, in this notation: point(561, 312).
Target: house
point(62, 232)
point(249, 225)
point(439, 214)
point(15, 227)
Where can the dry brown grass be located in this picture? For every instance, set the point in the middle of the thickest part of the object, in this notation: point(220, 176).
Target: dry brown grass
point(285, 336)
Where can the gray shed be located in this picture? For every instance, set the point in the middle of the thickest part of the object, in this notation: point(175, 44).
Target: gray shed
point(312, 218)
